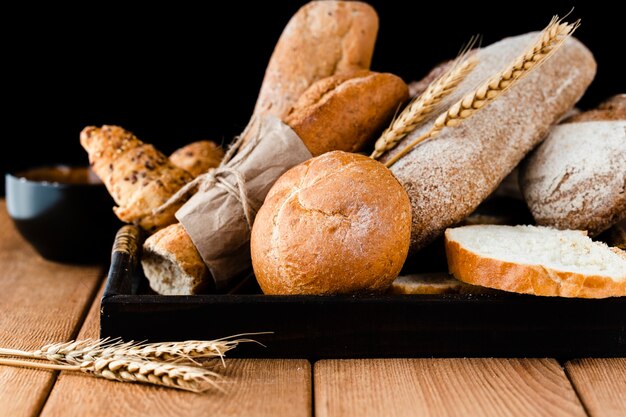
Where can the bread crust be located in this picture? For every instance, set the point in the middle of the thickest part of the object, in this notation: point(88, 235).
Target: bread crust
point(323, 38)
point(172, 264)
point(448, 176)
point(345, 112)
point(198, 157)
point(526, 279)
point(576, 179)
point(138, 177)
point(336, 224)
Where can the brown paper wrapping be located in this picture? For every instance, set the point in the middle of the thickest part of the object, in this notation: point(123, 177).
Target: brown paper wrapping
point(215, 218)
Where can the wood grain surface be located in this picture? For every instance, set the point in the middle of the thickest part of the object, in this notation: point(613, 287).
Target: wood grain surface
point(601, 385)
point(252, 387)
point(443, 387)
point(40, 302)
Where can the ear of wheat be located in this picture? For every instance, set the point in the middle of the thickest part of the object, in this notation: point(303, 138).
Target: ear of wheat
point(425, 104)
point(169, 364)
point(548, 42)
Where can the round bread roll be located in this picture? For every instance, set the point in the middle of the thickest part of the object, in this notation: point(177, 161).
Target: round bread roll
point(198, 157)
point(338, 223)
point(575, 179)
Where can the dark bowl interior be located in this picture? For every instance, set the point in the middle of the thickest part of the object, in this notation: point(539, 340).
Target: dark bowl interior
point(64, 212)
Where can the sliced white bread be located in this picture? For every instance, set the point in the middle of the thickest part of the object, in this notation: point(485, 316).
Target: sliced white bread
point(536, 260)
point(434, 283)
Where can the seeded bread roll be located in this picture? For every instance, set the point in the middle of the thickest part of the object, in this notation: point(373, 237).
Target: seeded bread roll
point(345, 112)
point(576, 179)
point(138, 177)
point(198, 157)
point(335, 224)
point(172, 264)
point(448, 176)
point(322, 39)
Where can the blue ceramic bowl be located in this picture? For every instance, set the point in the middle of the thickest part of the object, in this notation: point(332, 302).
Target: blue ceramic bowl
point(65, 213)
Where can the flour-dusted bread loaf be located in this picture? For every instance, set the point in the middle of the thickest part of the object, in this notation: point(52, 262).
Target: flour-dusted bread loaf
point(345, 112)
point(172, 264)
point(335, 224)
point(576, 179)
point(323, 38)
point(612, 109)
point(198, 157)
point(138, 177)
point(536, 260)
point(433, 284)
point(448, 176)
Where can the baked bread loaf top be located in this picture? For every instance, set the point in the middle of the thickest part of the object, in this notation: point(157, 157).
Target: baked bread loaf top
point(138, 177)
point(448, 176)
point(576, 179)
point(536, 260)
point(612, 109)
point(344, 112)
point(172, 264)
point(322, 39)
point(198, 157)
point(335, 224)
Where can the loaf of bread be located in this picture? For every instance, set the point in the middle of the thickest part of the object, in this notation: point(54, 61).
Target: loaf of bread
point(322, 39)
point(345, 112)
point(172, 264)
point(612, 109)
point(138, 177)
point(198, 157)
point(536, 260)
point(336, 224)
point(448, 176)
point(576, 179)
point(435, 283)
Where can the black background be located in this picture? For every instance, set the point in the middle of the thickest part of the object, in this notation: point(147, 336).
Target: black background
point(176, 74)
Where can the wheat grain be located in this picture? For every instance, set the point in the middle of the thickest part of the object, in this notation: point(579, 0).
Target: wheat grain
point(548, 42)
point(124, 369)
point(424, 105)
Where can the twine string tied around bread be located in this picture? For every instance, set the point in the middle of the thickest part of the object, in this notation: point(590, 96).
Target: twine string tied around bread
point(217, 177)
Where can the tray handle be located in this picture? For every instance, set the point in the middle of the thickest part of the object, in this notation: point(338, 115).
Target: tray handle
point(124, 258)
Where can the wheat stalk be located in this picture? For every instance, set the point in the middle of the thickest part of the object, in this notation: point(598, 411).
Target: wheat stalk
point(188, 378)
point(190, 351)
point(170, 364)
point(424, 105)
point(548, 42)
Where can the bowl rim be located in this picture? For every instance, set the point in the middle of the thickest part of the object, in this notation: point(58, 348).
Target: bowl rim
point(17, 175)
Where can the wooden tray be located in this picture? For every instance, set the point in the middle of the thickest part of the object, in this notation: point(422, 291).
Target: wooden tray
point(315, 327)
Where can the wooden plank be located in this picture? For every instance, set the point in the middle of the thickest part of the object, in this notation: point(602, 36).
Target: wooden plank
point(601, 384)
point(443, 387)
point(258, 387)
point(40, 302)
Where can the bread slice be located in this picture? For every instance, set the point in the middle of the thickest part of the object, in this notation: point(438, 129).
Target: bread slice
point(536, 260)
point(434, 283)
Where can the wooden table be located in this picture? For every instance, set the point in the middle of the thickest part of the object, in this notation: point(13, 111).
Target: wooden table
point(42, 302)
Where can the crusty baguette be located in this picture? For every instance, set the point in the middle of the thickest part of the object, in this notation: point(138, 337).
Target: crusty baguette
point(344, 112)
point(172, 264)
point(198, 157)
point(434, 284)
point(138, 177)
point(448, 176)
point(322, 39)
point(536, 260)
point(576, 178)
